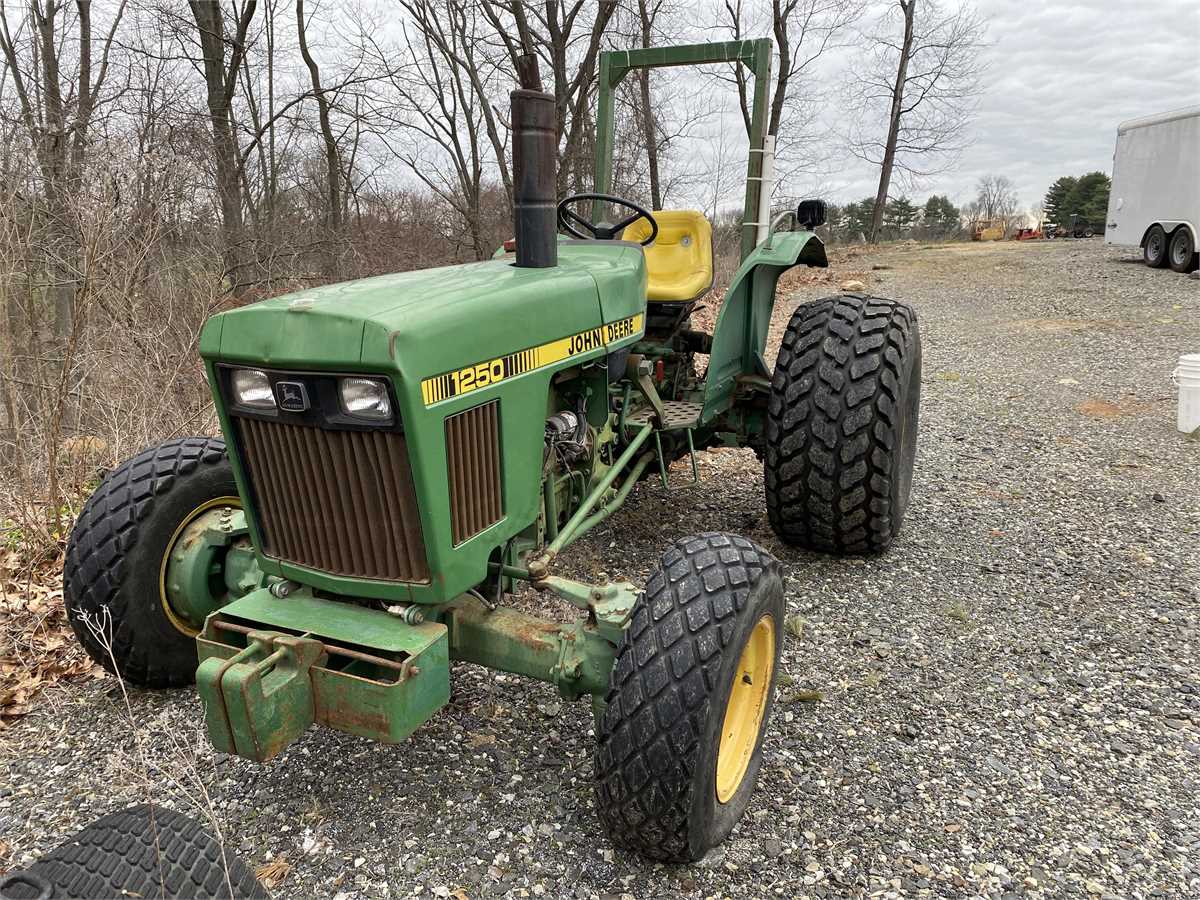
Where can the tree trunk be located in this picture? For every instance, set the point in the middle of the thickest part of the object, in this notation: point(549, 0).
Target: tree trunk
point(889, 150)
point(221, 84)
point(333, 163)
point(648, 112)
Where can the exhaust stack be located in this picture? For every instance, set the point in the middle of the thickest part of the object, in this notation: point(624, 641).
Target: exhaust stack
point(534, 179)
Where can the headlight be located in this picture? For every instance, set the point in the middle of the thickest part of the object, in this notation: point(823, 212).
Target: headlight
point(365, 398)
point(251, 387)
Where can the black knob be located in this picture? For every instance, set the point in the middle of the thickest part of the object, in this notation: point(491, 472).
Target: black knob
point(810, 214)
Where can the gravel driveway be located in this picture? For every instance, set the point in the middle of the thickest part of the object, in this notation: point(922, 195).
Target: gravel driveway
point(1009, 700)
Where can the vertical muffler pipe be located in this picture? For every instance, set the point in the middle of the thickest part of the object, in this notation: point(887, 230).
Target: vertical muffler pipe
point(534, 179)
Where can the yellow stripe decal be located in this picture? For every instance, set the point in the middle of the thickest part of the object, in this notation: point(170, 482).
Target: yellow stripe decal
point(471, 378)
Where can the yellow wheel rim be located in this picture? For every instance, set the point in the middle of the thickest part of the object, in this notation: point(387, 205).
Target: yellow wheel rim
point(174, 617)
point(746, 707)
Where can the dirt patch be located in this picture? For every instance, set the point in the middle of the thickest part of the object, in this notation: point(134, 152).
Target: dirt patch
point(1068, 326)
point(1099, 408)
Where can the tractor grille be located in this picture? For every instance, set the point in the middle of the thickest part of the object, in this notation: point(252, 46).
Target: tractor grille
point(473, 460)
point(338, 501)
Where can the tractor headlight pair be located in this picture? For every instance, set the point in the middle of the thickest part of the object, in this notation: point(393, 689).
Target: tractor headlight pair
point(364, 398)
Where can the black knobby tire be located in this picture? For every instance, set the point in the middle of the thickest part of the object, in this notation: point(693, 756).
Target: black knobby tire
point(1183, 250)
point(143, 851)
point(660, 733)
point(842, 424)
point(111, 576)
point(1156, 249)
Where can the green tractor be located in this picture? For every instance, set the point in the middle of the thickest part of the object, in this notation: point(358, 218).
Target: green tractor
point(401, 452)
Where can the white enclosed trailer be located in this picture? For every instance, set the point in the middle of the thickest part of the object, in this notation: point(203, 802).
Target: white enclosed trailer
point(1155, 198)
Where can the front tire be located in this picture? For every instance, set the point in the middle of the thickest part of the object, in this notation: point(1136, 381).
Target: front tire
point(1156, 247)
point(113, 576)
point(689, 699)
point(842, 422)
point(1183, 250)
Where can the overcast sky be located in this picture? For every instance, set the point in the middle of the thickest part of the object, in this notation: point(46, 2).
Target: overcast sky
point(1061, 77)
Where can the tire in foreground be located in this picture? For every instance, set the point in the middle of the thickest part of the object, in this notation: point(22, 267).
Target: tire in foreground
point(842, 420)
point(690, 694)
point(143, 851)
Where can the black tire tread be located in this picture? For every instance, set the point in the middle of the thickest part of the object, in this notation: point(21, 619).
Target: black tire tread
point(1147, 257)
point(143, 851)
point(832, 423)
point(658, 701)
point(1181, 233)
point(107, 528)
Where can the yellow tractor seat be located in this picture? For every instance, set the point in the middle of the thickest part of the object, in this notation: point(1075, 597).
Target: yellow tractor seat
point(679, 263)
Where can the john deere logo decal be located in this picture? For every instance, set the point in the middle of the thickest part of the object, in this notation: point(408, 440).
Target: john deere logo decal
point(291, 396)
point(480, 375)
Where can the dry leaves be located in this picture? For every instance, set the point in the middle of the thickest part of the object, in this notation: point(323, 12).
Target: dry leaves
point(271, 874)
point(37, 647)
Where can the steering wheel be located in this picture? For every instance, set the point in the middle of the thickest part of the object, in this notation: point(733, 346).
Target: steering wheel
point(602, 231)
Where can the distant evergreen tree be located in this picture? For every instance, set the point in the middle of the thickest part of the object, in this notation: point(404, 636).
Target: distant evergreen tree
point(1089, 199)
point(1056, 206)
point(858, 218)
point(898, 217)
point(834, 228)
point(1084, 197)
point(940, 218)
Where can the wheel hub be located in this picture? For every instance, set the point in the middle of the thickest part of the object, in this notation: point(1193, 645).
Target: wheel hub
point(746, 707)
point(191, 578)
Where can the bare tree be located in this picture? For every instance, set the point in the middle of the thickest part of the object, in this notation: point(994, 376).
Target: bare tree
point(333, 163)
point(554, 31)
point(648, 11)
point(453, 28)
point(221, 80)
point(997, 198)
point(804, 31)
point(57, 109)
point(926, 81)
point(440, 116)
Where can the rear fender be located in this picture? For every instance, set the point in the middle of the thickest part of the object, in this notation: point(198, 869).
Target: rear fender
point(740, 335)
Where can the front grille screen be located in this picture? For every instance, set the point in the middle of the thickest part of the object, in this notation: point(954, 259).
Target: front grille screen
point(338, 501)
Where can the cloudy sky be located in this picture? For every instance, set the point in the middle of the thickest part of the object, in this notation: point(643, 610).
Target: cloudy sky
point(1061, 77)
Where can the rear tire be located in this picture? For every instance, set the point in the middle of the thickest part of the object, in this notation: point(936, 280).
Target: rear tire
point(143, 851)
point(112, 577)
point(1156, 248)
point(842, 424)
point(670, 781)
point(1183, 250)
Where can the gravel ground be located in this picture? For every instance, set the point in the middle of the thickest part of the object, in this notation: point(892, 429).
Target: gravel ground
point(1010, 698)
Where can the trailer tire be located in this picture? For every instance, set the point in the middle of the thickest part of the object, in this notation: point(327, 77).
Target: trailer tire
point(142, 851)
point(671, 778)
point(112, 575)
point(1183, 250)
point(1156, 247)
point(842, 418)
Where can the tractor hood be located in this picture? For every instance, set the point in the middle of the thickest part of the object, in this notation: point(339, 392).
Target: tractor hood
point(432, 320)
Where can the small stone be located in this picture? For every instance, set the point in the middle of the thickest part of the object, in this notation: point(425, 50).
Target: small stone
point(772, 848)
